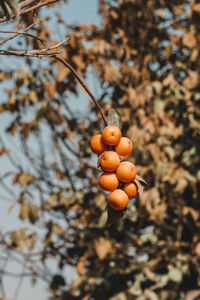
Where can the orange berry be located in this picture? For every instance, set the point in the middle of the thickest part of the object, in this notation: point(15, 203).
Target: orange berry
point(126, 171)
point(131, 189)
point(118, 200)
point(108, 181)
point(97, 145)
point(111, 135)
point(110, 161)
point(124, 147)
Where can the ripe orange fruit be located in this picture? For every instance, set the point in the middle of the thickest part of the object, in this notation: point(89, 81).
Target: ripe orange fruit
point(124, 147)
point(108, 181)
point(118, 200)
point(131, 189)
point(111, 135)
point(110, 161)
point(97, 145)
point(126, 171)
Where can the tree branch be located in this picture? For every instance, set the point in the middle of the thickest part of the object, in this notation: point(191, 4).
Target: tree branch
point(30, 9)
point(54, 55)
point(64, 62)
point(34, 52)
point(18, 33)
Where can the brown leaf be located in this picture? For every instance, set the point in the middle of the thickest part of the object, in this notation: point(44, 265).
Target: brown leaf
point(62, 72)
point(23, 179)
point(154, 150)
point(194, 213)
point(140, 187)
point(158, 213)
point(50, 88)
point(80, 267)
point(103, 247)
point(194, 54)
point(1, 76)
point(169, 80)
point(193, 295)
point(197, 249)
point(4, 151)
point(33, 213)
point(181, 185)
point(141, 180)
point(24, 211)
point(189, 40)
point(191, 81)
point(78, 60)
point(196, 8)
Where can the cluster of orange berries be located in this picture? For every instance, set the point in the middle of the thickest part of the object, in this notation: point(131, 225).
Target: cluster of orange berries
point(118, 175)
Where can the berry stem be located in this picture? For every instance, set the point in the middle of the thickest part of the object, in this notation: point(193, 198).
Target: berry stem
point(80, 80)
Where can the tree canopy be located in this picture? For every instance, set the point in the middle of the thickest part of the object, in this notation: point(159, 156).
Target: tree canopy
point(145, 57)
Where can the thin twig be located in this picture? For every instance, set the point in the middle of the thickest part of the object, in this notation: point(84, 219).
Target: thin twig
point(20, 281)
point(64, 62)
point(34, 52)
point(27, 3)
point(19, 33)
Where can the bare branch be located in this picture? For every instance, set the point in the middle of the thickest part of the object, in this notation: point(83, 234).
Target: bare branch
point(19, 33)
point(34, 52)
point(64, 62)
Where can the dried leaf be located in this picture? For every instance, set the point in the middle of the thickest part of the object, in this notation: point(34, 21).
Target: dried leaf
point(103, 247)
point(181, 185)
point(24, 211)
point(33, 213)
point(141, 180)
point(58, 229)
point(4, 151)
point(78, 60)
point(189, 210)
point(114, 118)
point(193, 294)
point(23, 179)
point(154, 150)
point(191, 81)
point(189, 40)
point(140, 187)
point(50, 88)
point(62, 73)
point(119, 296)
point(196, 7)
point(52, 201)
point(81, 265)
point(197, 249)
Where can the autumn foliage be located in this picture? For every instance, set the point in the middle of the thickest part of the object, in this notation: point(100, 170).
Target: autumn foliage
point(144, 56)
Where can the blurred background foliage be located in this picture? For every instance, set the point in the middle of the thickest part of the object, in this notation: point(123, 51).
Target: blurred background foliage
point(145, 55)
